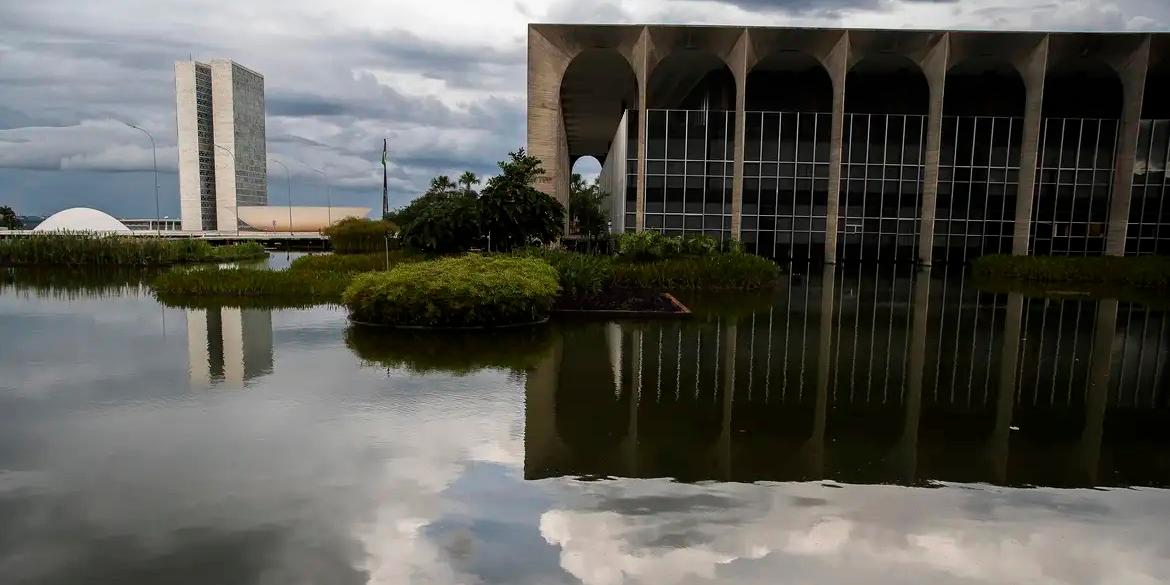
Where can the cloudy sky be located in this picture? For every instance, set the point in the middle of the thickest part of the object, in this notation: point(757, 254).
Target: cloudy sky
point(442, 79)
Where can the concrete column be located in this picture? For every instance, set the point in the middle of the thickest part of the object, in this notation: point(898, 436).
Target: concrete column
point(1097, 393)
point(547, 63)
point(1133, 80)
point(642, 70)
point(908, 444)
point(935, 68)
point(1005, 400)
point(739, 61)
point(816, 443)
point(837, 63)
point(1033, 70)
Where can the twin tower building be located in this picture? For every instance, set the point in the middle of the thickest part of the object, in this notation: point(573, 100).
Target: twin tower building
point(222, 153)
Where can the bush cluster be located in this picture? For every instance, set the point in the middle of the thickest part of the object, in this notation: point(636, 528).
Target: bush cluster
point(703, 266)
point(464, 291)
point(651, 245)
point(359, 235)
point(353, 263)
point(1140, 271)
point(106, 250)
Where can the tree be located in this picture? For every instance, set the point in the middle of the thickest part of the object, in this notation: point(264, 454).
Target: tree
point(442, 185)
point(8, 218)
point(513, 213)
point(587, 207)
point(447, 224)
point(467, 179)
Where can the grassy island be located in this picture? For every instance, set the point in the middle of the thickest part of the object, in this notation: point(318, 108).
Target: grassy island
point(455, 292)
point(124, 251)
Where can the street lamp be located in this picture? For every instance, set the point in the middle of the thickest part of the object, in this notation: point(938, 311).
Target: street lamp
point(154, 156)
point(328, 198)
point(236, 207)
point(287, 176)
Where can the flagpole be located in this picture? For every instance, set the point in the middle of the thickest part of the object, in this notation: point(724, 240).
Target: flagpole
point(385, 190)
point(385, 201)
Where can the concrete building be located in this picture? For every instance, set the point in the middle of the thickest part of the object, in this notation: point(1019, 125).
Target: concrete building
point(863, 144)
point(222, 152)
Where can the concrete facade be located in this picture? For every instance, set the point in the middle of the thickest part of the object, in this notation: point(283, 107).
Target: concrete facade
point(863, 144)
point(221, 139)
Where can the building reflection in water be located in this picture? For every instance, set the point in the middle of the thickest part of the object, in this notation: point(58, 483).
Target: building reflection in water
point(862, 375)
point(228, 345)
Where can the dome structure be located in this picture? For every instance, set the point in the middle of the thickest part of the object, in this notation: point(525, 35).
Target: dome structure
point(82, 219)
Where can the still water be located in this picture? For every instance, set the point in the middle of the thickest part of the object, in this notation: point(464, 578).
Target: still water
point(862, 425)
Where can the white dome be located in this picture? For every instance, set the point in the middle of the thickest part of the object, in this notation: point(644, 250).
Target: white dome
point(82, 219)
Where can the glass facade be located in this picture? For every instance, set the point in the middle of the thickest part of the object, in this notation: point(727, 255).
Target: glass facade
point(1149, 215)
point(1074, 177)
point(882, 168)
point(690, 161)
point(786, 182)
point(979, 173)
point(689, 170)
point(206, 139)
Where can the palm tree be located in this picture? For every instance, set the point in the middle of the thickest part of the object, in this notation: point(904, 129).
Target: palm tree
point(467, 179)
point(441, 184)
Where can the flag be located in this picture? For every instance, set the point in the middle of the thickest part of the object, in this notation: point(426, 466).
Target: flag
point(383, 153)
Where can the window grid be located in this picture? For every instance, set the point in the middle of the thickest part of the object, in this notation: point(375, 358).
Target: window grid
point(1149, 216)
point(1074, 177)
point(689, 171)
point(979, 170)
point(785, 192)
point(883, 162)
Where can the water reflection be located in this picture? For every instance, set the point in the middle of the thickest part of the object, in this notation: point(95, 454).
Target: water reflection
point(228, 344)
point(863, 375)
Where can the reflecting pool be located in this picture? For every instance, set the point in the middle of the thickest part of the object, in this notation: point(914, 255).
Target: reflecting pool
point(862, 424)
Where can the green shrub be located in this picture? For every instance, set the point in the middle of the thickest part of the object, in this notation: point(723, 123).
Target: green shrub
point(451, 352)
point(302, 285)
point(351, 263)
point(465, 291)
point(1140, 271)
point(578, 274)
point(105, 250)
point(699, 245)
point(360, 235)
point(652, 245)
point(726, 271)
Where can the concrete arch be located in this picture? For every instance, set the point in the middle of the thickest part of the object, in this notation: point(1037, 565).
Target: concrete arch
point(887, 84)
point(770, 83)
point(694, 79)
point(597, 88)
point(984, 86)
point(1084, 88)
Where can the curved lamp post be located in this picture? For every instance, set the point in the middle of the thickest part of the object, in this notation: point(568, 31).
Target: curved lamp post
point(287, 176)
point(154, 156)
point(236, 207)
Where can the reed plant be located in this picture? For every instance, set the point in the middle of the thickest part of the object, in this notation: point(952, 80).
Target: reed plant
point(102, 250)
point(354, 263)
point(305, 286)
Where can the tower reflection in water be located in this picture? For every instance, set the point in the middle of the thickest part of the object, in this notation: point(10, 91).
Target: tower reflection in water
point(228, 345)
point(862, 375)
